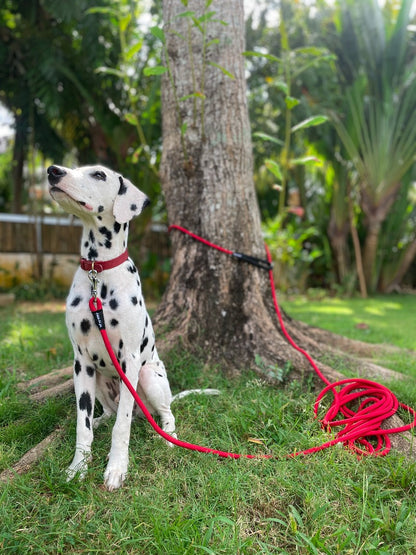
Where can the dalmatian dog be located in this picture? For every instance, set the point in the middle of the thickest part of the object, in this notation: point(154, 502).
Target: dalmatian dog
point(105, 202)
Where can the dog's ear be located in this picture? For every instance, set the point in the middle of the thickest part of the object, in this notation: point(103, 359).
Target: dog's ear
point(129, 202)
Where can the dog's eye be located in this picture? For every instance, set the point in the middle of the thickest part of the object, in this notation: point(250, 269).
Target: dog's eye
point(99, 175)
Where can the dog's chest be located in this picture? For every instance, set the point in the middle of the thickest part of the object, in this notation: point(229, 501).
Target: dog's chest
point(124, 312)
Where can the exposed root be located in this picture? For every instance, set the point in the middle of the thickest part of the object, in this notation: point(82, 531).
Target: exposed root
point(30, 458)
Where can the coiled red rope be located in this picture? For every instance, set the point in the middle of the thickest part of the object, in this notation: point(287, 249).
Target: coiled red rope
point(359, 406)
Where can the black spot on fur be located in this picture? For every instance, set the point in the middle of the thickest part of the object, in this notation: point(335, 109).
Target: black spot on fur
point(123, 188)
point(102, 363)
point(134, 301)
point(94, 357)
point(113, 304)
point(92, 253)
point(101, 208)
point(91, 236)
point(90, 371)
point(133, 207)
point(121, 344)
point(124, 366)
point(106, 232)
point(103, 291)
point(77, 367)
point(85, 326)
point(113, 323)
point(76, 301)
point(85, 402)
point(116, 227)
point(87, 423)
point(108, 244)
point(144, 343)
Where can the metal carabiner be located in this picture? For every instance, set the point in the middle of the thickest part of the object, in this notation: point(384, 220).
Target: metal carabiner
point(92, 276)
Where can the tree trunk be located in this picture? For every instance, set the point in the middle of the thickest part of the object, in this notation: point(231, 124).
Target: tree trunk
point(214, 303)
point(19, 155)
point(376, 211)
point(401, 271)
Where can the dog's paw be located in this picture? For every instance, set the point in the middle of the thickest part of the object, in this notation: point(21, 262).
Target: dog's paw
point(78, 469)
point(168, 443)
point(114, 476)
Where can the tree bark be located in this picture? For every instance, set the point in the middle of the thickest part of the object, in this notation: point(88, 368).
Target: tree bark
point(19, 155)
point(376, 211)
point(404, 266)
point(213, 303)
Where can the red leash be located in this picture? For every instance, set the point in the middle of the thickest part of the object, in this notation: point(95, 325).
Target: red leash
point(377, 401)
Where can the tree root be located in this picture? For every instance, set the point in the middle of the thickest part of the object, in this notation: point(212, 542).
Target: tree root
point(56, 382)
point(32, 456)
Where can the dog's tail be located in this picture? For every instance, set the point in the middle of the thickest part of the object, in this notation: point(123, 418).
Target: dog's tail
point(187, 392)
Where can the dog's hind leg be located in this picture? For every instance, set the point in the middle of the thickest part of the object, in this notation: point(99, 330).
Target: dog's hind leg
point(108, 394)
point(155, 390)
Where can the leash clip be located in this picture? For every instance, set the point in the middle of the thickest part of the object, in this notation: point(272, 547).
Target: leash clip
point(259, 262)
point(92, 276)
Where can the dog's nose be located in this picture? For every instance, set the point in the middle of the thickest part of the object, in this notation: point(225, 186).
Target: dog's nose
point(55, 173)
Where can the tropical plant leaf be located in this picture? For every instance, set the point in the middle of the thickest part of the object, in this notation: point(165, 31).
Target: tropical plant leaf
point(266, 137)
point(131, 118)
point(188, 13)
point(274, 168)
point(222, 69)
point(133, 50)
point(291, 102)
point(155, 70)
point(111, 71)
point(306, 160)
point(159, 33)
point(310, 122)
point(253, 53)
point(193, 95)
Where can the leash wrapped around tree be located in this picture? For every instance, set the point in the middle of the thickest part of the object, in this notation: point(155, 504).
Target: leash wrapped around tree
point(375, 402)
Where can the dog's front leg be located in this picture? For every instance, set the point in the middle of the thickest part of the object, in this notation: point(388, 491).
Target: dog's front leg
point(84, 384)
point(116, 470)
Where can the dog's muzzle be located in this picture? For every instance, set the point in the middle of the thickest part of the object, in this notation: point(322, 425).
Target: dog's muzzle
point(55, 174)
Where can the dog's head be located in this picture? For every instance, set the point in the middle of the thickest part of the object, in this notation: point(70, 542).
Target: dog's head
point(94, 191)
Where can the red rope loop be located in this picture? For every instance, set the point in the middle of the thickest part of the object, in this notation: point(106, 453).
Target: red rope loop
point(359, 405)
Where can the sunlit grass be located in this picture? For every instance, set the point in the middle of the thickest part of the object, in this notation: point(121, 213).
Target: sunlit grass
point(179, 502)
point(390, 319)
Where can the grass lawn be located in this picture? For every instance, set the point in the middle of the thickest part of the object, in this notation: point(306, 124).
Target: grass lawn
point(180, 502)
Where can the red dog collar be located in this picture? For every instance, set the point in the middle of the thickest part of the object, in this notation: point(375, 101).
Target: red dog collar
point(101, 265)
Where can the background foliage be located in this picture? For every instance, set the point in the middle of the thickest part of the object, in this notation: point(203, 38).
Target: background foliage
point(332, 105)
